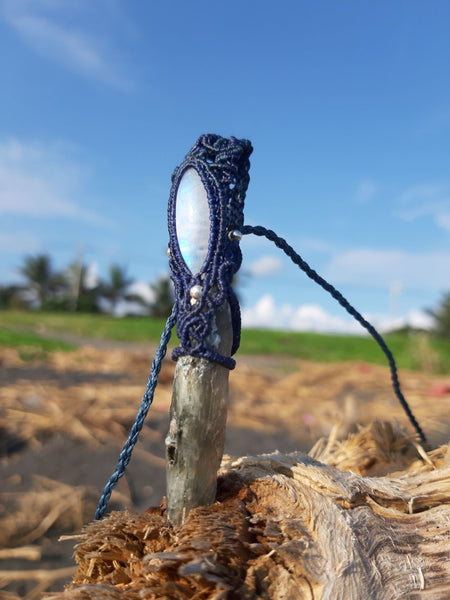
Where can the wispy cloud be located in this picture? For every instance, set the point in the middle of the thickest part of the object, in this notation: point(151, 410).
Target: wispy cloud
point(312, 244)
point(66, 32)
point(368, 267)
point(41, 181)
point(265, 266)
point(427, 200)
point(312, 317)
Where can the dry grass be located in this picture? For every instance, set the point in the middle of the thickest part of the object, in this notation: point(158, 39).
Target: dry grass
point(92, 396)
point(67, 401)
point(316, 397)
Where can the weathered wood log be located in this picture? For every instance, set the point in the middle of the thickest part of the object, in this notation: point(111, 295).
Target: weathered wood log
point(289, 526)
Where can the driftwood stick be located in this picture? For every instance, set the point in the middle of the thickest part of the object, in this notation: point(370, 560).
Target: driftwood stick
point(198, 413)
point(205, 212)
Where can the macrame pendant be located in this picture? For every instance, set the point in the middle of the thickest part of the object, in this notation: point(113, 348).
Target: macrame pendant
point(205, 214)
point(205, 225)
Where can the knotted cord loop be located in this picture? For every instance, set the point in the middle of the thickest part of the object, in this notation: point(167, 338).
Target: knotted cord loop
point(147, 399)
point(298, 260)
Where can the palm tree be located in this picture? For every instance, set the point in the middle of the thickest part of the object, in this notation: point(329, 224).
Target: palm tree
point(41, 279)
point(11, 296)
point(82, 298)
point(163, 297)
point(115, 288)
point(441, 317)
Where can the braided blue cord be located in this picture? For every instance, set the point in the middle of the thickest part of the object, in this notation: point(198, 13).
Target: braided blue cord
point(298, 260)
point(147, 399)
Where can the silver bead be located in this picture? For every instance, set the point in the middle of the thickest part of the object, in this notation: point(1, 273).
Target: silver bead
point(235, 235)
point(169, 253)
point(196, 292)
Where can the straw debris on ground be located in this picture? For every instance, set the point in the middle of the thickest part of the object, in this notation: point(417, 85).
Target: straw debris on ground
point(65, 417)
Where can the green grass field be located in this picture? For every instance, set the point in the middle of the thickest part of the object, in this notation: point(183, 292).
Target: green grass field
point(31, 345)
point(34, 330)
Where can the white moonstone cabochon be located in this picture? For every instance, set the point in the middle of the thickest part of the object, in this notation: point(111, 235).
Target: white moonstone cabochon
point(192, 220)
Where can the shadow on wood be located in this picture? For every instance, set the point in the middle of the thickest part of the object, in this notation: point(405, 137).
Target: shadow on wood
point(368, 517)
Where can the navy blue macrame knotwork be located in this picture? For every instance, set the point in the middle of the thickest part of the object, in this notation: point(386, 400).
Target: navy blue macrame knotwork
point(223, 167)
point(147, 399)
point(298, 260)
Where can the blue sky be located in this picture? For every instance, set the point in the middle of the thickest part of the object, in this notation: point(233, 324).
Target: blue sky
point(347, 105)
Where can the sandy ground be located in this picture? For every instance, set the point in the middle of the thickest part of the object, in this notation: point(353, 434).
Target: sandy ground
point(64, 419)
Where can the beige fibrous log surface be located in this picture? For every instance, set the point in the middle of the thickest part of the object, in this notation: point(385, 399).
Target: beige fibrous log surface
point(368, 517)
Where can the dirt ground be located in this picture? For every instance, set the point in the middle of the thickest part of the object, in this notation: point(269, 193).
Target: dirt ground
point(65, 417)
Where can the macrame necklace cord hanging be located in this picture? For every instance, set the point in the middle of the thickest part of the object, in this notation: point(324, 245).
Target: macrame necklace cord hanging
point(298, 260)
point(147, 399)
point(204, 256)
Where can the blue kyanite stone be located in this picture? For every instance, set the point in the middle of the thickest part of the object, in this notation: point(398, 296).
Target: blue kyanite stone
point(192, 220)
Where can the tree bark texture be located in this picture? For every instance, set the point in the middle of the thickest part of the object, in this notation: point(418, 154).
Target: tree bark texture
point(289, 527)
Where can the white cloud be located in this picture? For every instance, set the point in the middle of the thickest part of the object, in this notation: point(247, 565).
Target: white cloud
point(264, 266)
point(420, 319)
point(66, 32)
point(91, 276)
point(41, 181)
point(142, 288)
point(367, 267)
point(421, 192)
point(127, 307)
point(314, 245)
point(312, 317)
point(306, 317)
point(427, 200)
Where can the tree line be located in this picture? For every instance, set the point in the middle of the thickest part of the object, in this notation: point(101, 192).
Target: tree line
point(441, 316)
point(69, 290)
point(46, 288)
